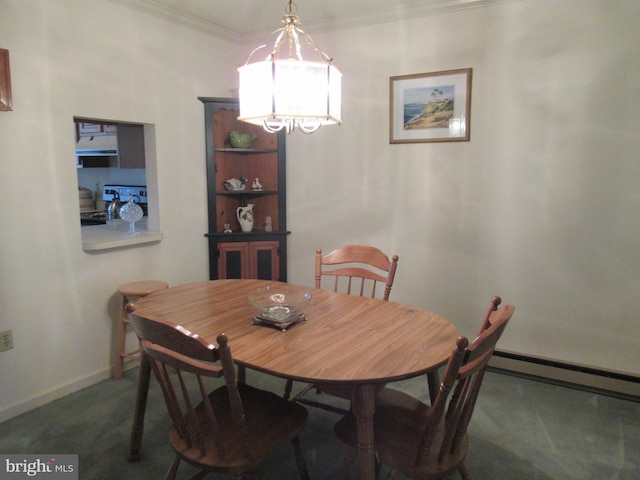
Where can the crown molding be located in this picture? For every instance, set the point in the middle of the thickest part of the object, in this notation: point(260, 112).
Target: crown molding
point(387, 15)
point(182, 18)
point(392, 14)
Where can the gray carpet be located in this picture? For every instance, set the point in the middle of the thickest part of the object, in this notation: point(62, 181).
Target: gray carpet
point(522, 429)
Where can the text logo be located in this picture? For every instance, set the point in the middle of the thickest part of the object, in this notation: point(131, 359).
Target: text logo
point(49, 467)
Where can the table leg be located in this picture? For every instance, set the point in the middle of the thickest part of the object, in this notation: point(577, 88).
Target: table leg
point(364, 405)
point(144, 377)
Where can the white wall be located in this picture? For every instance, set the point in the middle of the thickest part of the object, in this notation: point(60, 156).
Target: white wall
point(94, 59)
point(541, 206)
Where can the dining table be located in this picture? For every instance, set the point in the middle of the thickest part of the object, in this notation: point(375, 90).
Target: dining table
point(346, 339)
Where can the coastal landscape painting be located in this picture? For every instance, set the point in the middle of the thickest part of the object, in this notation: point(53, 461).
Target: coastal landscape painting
point(430, 107)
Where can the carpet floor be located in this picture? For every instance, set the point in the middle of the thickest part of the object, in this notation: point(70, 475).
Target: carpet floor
point(521, 429)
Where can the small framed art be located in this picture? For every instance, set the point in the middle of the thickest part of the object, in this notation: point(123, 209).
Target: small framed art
point(430, 107)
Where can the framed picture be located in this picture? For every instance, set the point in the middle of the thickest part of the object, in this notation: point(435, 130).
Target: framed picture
point(5, 81)
point(430, 107)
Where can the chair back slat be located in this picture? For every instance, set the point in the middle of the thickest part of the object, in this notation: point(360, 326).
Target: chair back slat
point(193, 427)
point(469, 406)
point(235, 402)
point(368, 265)
point(216, 434)
point(437, 409)
point(171, 399)
point(356, 278)
point(453, 417)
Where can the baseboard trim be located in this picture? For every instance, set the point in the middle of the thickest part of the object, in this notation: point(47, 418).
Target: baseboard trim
point(577, 376)
point(43, 398)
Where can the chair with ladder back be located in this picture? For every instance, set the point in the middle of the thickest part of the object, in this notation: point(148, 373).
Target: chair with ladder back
point(426, 442)
point(356, 270)
point(229, 429)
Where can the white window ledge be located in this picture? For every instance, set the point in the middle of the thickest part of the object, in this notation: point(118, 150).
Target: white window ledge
point(116, 234)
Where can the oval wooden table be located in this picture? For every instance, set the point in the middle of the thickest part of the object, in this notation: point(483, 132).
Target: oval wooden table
point(346, 339)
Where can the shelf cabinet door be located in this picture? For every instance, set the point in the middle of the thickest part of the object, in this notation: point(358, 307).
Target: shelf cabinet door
point(233, 260)
point(264, 261)
point(255, 260)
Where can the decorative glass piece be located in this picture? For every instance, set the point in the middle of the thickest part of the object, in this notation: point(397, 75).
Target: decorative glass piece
point(279, 305)
point(131, 212)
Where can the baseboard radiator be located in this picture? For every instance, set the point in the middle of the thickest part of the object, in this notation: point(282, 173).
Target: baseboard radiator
point(627, 386)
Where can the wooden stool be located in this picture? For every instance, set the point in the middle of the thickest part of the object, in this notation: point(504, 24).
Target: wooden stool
point(129, 292)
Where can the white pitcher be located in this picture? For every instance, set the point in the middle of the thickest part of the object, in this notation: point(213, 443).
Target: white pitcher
point(245, 217)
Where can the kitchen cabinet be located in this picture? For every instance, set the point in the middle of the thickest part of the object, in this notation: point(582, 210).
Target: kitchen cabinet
point(91, 129)
point(129, 139)
point(131, 146)
point(262, 252)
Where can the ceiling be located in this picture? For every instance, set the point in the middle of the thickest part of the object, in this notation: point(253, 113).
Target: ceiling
point(246, 20)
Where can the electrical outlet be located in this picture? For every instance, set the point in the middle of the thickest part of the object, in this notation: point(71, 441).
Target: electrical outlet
point(6, 340)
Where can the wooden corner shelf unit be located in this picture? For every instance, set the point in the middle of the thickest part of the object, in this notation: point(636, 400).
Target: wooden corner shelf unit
point(260, 253)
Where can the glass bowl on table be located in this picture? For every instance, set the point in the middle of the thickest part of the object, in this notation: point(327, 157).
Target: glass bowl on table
point(279, 305)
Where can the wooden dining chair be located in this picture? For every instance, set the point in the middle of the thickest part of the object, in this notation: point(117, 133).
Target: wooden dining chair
point(356, 270)
point(231, 428)
point(430, 442)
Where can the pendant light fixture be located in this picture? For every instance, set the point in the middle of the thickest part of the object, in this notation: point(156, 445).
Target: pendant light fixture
point(286, 92)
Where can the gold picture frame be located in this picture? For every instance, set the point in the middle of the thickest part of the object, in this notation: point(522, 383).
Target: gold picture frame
point(6, 103)
point(430, 107)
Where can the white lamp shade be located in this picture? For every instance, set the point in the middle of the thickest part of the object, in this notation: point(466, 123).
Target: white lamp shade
point(279, 91)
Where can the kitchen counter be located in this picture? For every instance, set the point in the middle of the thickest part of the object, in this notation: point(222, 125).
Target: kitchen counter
point(116, 234)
